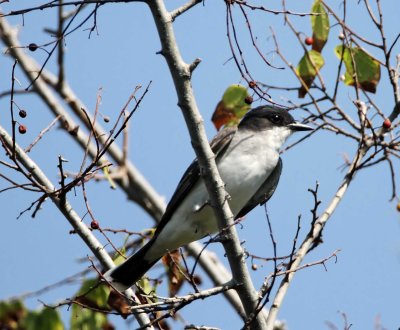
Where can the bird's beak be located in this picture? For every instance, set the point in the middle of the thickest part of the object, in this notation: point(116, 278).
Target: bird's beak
point(300, 127)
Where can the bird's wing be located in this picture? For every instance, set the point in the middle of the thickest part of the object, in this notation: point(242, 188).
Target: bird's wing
point(130, 271)
point(265, 192)
point(218, 145)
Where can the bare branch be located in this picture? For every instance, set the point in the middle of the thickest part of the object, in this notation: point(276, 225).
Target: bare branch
point(66, 209)
point(184, 8)
point(181, 76)
point(133, 183)
point(312, 236)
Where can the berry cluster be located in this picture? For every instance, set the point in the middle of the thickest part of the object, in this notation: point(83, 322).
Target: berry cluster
point(22, 128)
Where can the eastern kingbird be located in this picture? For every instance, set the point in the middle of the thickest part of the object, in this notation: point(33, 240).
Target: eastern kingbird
point(248, 162)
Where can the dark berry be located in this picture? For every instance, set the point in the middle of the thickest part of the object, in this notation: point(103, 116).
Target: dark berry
point(197, 280)
point(106, 119)
point(309, 41)
point(22, 129)
point(22, 113)
point(32, 47)
point(254, 267)
point(387, 123)
point(94, 225)
point(248, 99)
point(252, 84)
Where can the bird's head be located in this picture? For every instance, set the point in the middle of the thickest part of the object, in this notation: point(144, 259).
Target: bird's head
point(267, 117)
point(277, 122)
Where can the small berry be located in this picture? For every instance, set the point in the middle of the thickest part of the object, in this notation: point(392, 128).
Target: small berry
point(252, 84)
point(341, 36)
point(197, 280)
point(94, 225)
point(387, 123)
point(398, 206)
point(309, 41)
point(22, 129)
point(254, 267)
point(32, 47)
point(22, 113)
point(106, 119)
point(248, 99)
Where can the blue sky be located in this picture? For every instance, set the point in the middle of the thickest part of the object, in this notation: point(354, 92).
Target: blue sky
point(363, 283)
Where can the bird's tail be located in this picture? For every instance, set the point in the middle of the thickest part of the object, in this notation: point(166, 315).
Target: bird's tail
point(131, 270)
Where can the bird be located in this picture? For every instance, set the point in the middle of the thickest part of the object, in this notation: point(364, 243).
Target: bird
point(249, 163)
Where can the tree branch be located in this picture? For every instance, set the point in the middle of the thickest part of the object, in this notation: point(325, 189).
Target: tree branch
point(181, 76)
point(66, 209)
point(135, 186)
point(182, 9)
point(313, 236)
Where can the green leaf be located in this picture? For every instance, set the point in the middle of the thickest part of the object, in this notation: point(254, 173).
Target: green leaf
point(234, 98)
point(86, 319)
point(47, 318)
point(93, 297)
point(320, 25)
point(107, 175)
point(361, 65)
point(307, 69)
point(11, 314)
point(13, 306)
point(146, 286)
point(97, 296)
point(119, 257)
point(233, 106)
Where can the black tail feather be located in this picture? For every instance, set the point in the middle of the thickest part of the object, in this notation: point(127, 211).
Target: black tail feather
point(132, 269)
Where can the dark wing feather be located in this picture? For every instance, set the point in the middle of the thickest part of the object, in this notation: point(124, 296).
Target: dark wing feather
point(192, 175)
point(265, 192)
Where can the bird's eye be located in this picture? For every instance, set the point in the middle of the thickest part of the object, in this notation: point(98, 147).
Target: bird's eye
point(276, 119)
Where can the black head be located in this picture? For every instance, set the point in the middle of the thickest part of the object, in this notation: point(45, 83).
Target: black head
point(265, 117)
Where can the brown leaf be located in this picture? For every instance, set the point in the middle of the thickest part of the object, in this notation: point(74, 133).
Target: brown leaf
point(221, 115)
point(108, 326)
point(174, 272)
point(233, 106)
point(119, 303)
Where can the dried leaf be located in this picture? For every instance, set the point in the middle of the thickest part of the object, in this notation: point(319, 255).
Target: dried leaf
point(232, 107)
point(367, 69)
point(174, 271)
point(320, 26)
point(307, 69)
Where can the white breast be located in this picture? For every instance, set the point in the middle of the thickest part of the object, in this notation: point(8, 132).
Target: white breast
point(250, 160)
point(246, 164)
